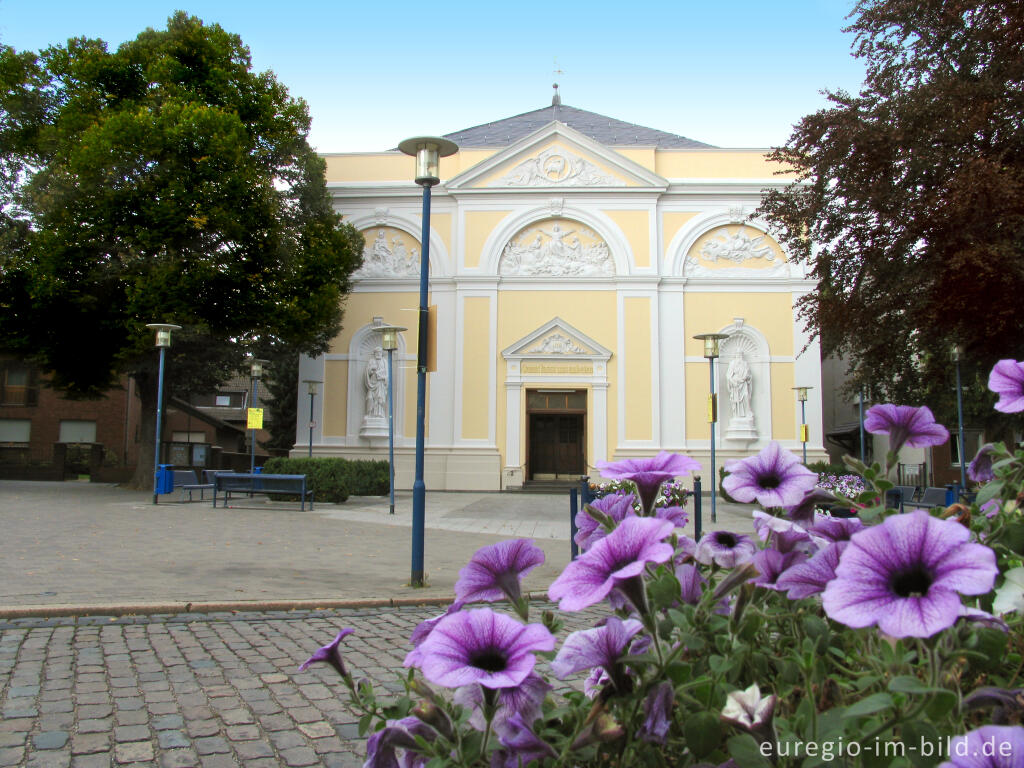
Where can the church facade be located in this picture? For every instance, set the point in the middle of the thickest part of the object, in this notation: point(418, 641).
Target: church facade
point(573, 258)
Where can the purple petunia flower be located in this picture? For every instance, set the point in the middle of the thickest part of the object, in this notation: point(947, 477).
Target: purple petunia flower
point(991, 746)
point(773, 478)
point(617, 506)
point(599, 647)
point(980, 468)
point(657, 706)
point(330, 654)
point(381, 746)
point(521, 746)
point(905, 425)
point(835, 529)
point(811, 576)
point(691, 583)
point(618, 558)
point(525, 700)
point(494, 571)
point(1007, 381)
point(480, 646)
point(904, 575)
point(803, 511)
point(725, 549)
point(771, 564)
point(649, 473)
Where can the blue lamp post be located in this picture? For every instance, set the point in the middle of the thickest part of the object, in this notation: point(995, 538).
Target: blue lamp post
point(956, 353)
point(389, 341)
point(255, 373)
point(801, 395)
point(428, 152)
point(860, 413)
point(311, 387)
point(163, 341)
point(711, 342)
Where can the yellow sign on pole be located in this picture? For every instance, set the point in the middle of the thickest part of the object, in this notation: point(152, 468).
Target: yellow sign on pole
point(255, 419)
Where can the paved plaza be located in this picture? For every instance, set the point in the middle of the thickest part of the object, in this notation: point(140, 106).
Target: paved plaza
point(170, 635)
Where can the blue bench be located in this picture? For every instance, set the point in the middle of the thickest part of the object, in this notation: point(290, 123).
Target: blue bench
point(280, 485)
point(933, 497)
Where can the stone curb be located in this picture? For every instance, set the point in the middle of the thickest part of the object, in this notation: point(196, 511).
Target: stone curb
point(238, 606)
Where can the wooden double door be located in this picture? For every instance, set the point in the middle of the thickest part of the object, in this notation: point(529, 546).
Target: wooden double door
point(556, 446)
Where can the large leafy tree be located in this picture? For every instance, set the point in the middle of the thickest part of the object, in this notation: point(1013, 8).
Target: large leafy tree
point(909, 199)
point(162, 182)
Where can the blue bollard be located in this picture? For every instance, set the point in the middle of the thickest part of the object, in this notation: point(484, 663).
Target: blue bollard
point(574, 549)
point(696, 509)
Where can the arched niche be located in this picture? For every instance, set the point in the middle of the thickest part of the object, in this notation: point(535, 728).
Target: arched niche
point(744, 379)
point(361, 355)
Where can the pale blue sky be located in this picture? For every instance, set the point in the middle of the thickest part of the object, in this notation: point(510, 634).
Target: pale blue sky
point(733, 73)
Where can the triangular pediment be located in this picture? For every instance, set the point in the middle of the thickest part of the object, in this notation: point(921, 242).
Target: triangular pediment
point(556, 339)
point(556, 157)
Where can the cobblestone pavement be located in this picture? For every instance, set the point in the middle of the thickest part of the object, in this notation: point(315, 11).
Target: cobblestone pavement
point(212, 690)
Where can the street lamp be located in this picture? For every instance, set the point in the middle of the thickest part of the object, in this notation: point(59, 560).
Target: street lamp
point(311, 385)
point(801, 395)
point(389, 341)
point(860, 410)
point(255, 414)
point(428, 151)
point(163, 341)
point(711, 342)
point(956, 353)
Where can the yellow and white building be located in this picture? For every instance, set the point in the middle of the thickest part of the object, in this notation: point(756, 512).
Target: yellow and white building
point(573, 257)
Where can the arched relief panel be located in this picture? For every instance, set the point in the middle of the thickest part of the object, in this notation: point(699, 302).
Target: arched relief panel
point(556, 241)
point(726, 245)
point(744, 382)
point(392, 248)
point(366, 418)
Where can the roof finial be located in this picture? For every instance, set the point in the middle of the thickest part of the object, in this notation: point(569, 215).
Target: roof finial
point(556, 100)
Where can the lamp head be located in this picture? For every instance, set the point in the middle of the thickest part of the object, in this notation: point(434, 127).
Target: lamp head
point(711, 343)
point(389, 336)
point(311, 385)
point(956, 353)
point(801, 393)
point(163, 333)
point(428, 151)
point(256, 367)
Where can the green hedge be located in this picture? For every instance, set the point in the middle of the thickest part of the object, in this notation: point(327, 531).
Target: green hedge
point(334, 480)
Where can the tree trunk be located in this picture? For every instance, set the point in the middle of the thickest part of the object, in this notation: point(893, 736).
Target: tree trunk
point(146, 386)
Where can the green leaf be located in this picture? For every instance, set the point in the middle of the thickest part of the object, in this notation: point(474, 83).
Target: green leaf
point(922, 743)
point(876, 702)
point(989, 491)
point(703, 733)
point(747, 753)
point(909, 684)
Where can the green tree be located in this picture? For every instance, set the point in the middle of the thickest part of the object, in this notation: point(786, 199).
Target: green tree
point(909, 199)
point(163, 182)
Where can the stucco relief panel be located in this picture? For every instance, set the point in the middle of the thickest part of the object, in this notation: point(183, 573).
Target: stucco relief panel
point(556, 247)
point(737, 249)
point(389, 252)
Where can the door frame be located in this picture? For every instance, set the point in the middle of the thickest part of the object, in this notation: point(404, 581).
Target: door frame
point(582, 412)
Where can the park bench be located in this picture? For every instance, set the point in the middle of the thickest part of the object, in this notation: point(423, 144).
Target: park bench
point(191, 482)
point(280, 485)
point(900, 496)
point(932, 497)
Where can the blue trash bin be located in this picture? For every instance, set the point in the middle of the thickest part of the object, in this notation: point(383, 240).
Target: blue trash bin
point(165, 478)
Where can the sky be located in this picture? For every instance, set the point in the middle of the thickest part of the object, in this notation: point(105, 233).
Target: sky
point(731, 73)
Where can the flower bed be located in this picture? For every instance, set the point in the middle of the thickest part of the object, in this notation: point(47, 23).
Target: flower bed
point(885, 639)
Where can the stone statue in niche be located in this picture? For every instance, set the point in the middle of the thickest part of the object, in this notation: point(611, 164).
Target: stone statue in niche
point(376, 380)
point(739, 379)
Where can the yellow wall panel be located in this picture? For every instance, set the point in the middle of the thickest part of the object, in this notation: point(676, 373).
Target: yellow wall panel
point(697, 375)
point(716, 164)
point(769, 313)
point(441, 225)
point(370, 167)
point(784, 405)
point(637, 375)
point(361, 308)
point(476, 323)
point(479, 225)
point(635, 225)
point(644, 157)
point(671, 223)
point(336, 398)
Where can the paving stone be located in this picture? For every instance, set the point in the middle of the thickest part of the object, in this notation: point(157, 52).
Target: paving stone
point(287, 739)
point(237, 717)
point(211, 745)
point(300, 756)
point(166, 722)
point(305, 715)
point(250, 750)
point(11, 755)
point(218, 761)
point(198, 728)
point(90, 711)
point(50, 740)
point(101, 760)
point(172, 739)
point(243, 732)
point(136, 717)
point(131, 733)
point(95, 726)
point(178, 758)
point(89, 743)
point(134, 752)
point(317, 730)
point(50, 759)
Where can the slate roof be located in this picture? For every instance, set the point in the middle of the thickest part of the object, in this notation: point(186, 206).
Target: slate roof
point(602, 129)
